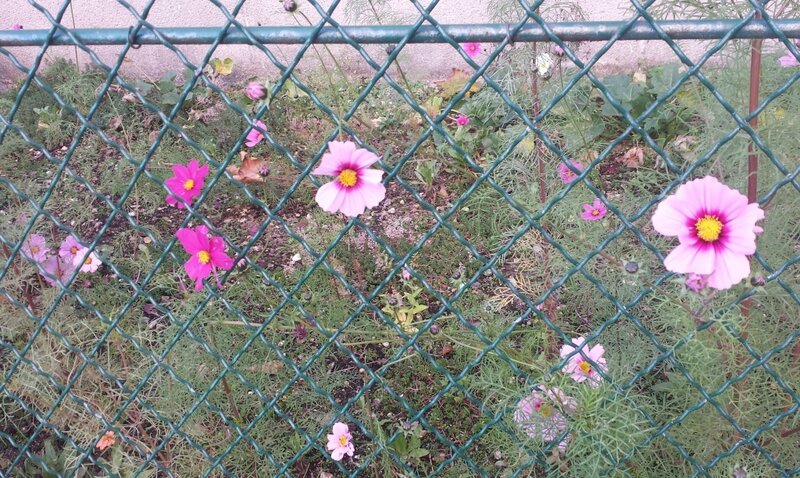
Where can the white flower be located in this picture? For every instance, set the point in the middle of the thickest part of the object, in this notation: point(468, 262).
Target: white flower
point(543, 63)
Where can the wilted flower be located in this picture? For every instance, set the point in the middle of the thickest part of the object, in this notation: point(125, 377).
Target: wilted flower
point(187, 182)
point(208, 254)
point(255, 136)
point(578, 367)
point(543, 63)
point(106, 440)
point(340, 442)
point(61, 269)
point(35, 248)
point(558, 51)
point(566, 174)
point(541, 414)
point(255, 91)
point(472, 49)
point(595, 211)
point(462, 120)
point(356, 186)
point(716, 228)
point(695, 282)
point(87, 263)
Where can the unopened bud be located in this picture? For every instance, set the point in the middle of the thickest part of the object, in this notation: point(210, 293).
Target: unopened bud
point(289, 5)
point(631, 267)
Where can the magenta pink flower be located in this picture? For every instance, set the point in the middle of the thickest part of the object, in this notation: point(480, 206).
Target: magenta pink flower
point(356, 186)
point(69, 249)
point(595, 211)
point(255, 136)
point(16, 26)
point(87, 263)
point(695, 282)
point(208, 254)
point(558, 51)
point(35, 248)
point(340, 442)
point(462, 120)
point(472, 49)
point(541, 414)
point(187, 182)
point(255, 91)
point(716, 228)
point(578, 367)
point(58, 268)
point(566, 174)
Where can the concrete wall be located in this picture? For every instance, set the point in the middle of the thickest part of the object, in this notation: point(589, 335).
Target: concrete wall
point(420, 61)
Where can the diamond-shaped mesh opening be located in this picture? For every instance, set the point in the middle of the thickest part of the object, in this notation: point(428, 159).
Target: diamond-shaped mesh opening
point(423, 322)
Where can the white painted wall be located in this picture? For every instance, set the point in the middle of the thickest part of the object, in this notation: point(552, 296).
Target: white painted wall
point(420, 61)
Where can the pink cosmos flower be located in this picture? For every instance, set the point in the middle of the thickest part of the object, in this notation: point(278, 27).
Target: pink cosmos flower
point(255, 91)
point(462, 120)
point(59, 268)
point(716, 228)
point(472, 49)
point(566, 174)
point(788, 61)
point(541, 414)
point(695, 282)
point(255, 136)
point(35, 248)
point(16, 26)
point(69, 249)
point(340, 442)
point(88, 263)
point(356, 186)
point(577, 366)
point(208, 254)
point(187, 182)
point(595, 211)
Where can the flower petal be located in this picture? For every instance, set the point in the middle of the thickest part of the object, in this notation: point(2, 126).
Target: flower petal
point(729, 269)
point(371, 194)
point(330, 197)
point(189, 240)
point(363, 158)
point(196, 269)
point(370, 175)
point(688, 258)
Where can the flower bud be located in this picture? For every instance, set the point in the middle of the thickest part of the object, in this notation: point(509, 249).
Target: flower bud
point(289, 5)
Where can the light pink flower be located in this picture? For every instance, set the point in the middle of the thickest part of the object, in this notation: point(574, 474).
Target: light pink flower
point(35, 248)
point(716, 228)
point(340, 442)
point(59, 268)
point(695, 282)
point(16, 26)
point(472, 49)
point(255, 91)
point(595, 211)
point(578, 367)
point(187, 182)
point(255, 136)
point(88, 263)
point(462, 120)
point(405, 274)
point(69, 249)
point(788, 61)
point(541, 414)
point(566, 174)
point(356, 186)
point(208, 254)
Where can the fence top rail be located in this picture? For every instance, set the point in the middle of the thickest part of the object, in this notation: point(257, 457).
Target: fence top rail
point(566, 31)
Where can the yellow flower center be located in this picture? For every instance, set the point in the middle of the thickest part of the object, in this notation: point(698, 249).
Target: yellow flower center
point(188, 185)
point(342, 440)
point(595, 212)
point(73, 250)
point(88, 261)
point(34, 249)
point(204, 257)
point(348, 178)
point(708, 228)
point(546, 410)
point(585, 367)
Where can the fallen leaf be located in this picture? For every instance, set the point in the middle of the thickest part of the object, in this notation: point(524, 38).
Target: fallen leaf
point(222, 67)
point(270, 367)
point(456, 82)
point(252, 170)
point(633, 157)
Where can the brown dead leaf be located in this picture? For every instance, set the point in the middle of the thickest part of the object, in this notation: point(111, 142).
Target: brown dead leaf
point(251, 169)
point(633, 157)
point(457, 80)
point(270, 367)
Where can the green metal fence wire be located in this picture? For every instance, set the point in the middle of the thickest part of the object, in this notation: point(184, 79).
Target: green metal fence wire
point(532, 27)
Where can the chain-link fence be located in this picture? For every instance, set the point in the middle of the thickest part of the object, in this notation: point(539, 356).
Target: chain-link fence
point(131, 364)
